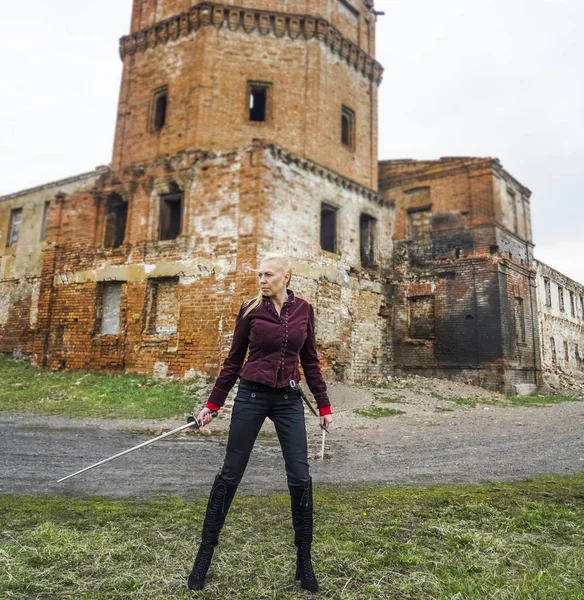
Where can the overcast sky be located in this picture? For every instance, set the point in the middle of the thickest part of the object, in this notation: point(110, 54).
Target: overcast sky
point(500, 78)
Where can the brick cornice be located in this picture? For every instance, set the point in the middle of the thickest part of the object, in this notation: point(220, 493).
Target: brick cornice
point(185, 160)
point(326, 173)
point(210, 14)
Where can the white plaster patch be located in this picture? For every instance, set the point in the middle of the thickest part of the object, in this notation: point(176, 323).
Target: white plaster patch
point(34, 302)
point(160, 370)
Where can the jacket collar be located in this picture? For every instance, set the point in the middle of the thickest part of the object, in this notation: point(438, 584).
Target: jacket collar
point(291, 299)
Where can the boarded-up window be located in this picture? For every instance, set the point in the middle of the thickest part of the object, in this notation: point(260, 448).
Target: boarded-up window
point(163, 306)
point(421, 318)
point(45, 221)
point(520, 319)
point(420, 224)
point(115, 221)
point(328, 227)
point(561, 298)
point(14, 227)
point(170, 218)
point(367, 228)
point(548, 292)
point(108, 309)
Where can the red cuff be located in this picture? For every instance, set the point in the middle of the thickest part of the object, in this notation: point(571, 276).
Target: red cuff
point(325, 410)
point(212, 407)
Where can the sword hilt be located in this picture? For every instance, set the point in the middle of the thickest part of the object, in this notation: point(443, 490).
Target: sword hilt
point(195, 422)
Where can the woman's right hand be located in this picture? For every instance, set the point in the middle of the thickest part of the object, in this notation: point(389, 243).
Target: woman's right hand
point(205, 417)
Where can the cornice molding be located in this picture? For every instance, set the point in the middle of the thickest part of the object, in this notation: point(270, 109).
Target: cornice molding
point(208, 14)
point(326, 173)
point(186, 160)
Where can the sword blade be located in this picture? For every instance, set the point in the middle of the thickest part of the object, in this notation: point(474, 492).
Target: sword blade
point(193, 423)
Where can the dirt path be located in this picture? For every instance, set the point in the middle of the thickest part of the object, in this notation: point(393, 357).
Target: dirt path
point(442, 436)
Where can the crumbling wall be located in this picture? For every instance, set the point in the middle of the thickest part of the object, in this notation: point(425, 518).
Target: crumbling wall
point(561, 324)
point(20, 263)
point(463, 296)
point(177, 299)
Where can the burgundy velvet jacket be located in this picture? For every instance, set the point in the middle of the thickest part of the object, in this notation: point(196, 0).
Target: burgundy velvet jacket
point(275, 343)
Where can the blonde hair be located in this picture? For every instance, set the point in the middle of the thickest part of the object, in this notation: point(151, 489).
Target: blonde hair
point(284, 263)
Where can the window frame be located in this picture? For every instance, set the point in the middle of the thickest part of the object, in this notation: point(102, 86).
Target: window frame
point(266, 86)
point(158, 93)
point(330, 208)
point(372, 222)
point(174, 196)
point(14, 212)
point(348, 113)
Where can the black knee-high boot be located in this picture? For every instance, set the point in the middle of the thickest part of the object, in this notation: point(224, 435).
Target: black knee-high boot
point(301, 501)
point(220, 499)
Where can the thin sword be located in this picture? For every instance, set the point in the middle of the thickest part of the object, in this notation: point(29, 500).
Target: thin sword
point(296, 386)
point(192, 422)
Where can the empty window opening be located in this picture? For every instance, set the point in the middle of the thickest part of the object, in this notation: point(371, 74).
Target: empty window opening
point(561, 298)
point(14, 227)
point(566, 351)
point(457, 252)
point(582, 306)
point(553, 350)
point(520, 320)
point(548, 292)
point(420, 225)
point(577, 354)
point(108, 308)
point(421, 318)
point(258, 101)
point(45, 221)
point(572, 305)
point(328, 227)
point(159, 108)
point(348, 127)
point(170, 218)
point(367, 229)
point(115, 221)
point(493, 249)
point(162, 306)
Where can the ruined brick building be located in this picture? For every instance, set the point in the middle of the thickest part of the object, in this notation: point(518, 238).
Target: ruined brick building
point(250, 126)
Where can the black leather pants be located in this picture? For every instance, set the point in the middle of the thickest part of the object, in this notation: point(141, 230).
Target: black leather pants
point(253, 403)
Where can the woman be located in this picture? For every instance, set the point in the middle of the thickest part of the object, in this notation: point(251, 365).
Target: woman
point(278, 328)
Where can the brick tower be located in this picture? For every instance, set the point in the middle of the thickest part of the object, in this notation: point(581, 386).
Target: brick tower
point(243, 127)
point(214, 76)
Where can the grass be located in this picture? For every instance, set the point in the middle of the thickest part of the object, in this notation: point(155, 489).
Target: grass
point(390, 400)
point(82, 394)
point(520, 541)
point(540, 400)
point(378, 413)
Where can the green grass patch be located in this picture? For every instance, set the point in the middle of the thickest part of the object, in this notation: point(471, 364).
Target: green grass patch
point(390, 400)
point(463, 401)
point(540, 400)
point(378, 412)
point(86, 394)
point(520, 541)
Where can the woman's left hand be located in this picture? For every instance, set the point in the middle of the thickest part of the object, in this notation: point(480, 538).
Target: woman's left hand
point(326, 420)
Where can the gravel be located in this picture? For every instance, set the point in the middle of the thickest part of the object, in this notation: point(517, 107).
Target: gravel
point(448, 433)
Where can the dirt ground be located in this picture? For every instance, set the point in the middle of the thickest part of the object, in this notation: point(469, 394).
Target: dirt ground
point(444, 432)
